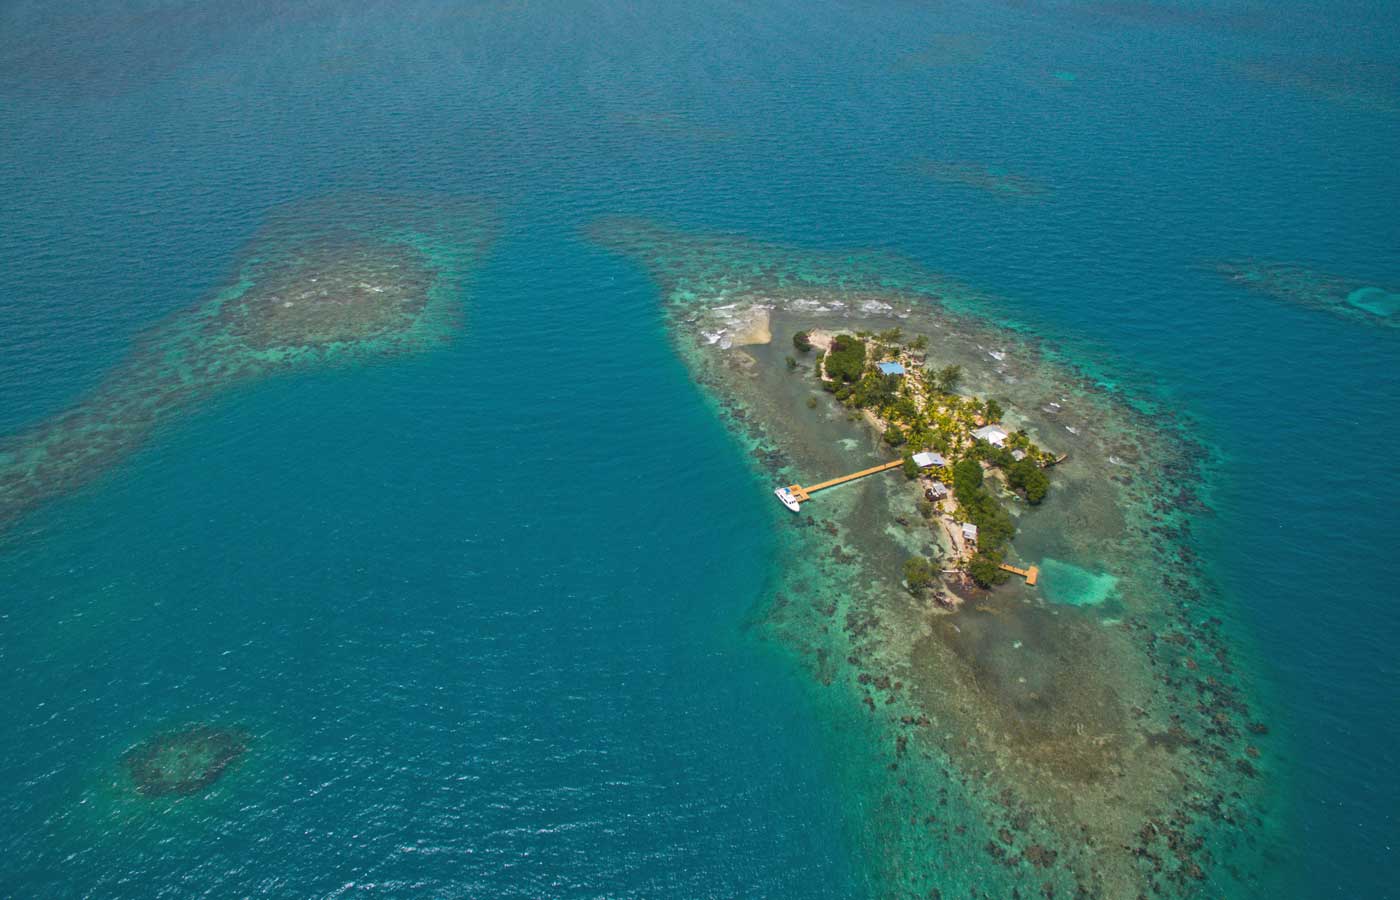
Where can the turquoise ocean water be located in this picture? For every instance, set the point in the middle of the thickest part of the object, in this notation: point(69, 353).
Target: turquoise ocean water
point(485, 608)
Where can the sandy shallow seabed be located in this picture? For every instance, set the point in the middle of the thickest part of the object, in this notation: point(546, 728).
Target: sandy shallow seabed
point(1088, 737)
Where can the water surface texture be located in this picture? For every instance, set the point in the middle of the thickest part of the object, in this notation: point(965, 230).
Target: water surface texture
point(472, 593)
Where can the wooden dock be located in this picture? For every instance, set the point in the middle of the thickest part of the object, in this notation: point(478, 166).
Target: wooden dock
point(803, 494)
point(1030, 574)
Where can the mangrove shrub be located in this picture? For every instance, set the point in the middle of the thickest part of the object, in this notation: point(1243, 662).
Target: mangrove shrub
point(1029, 477)
point(846, 361)
point(985, 569)
point(919, 574)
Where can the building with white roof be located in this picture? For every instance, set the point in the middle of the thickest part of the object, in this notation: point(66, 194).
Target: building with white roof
point(995, 435)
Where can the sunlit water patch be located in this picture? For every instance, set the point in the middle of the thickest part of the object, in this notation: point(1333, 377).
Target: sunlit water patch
point(1066, 583)
point(1376, 301)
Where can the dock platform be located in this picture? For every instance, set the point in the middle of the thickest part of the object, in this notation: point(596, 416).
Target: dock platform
point(803, 494)
point(1031, 574)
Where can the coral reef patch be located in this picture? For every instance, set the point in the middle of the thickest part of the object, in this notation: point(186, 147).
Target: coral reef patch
point(1357, 84)
point(184, 761)
point(993, 180)
point(326, 281)
point(1347, 298)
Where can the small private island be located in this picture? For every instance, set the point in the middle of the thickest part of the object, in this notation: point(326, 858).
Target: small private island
point(955, 448)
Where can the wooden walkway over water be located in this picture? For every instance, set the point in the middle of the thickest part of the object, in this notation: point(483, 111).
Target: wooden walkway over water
point(1030, 574)
point(803, 494)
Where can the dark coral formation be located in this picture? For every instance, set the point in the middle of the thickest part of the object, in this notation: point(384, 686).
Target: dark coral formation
point(328, 292)
point(1334, 294)
point(184, 761)
point(1365, 85)
point(993, 180)
point(328, 280)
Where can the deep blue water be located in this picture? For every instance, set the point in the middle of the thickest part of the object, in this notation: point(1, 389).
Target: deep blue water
point(486, 606)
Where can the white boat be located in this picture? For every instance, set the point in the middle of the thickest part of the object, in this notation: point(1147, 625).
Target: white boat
point(788, 499)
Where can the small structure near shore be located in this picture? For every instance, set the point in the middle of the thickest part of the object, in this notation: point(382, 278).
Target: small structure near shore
point(969, 533)
point(1031, 575)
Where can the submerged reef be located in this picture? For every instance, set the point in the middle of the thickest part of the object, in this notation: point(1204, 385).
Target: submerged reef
point(993, 180)
point(184, 761)
point(337, 279)
point(1365, 86)
point(671, 125)
point(1344, 297)
point(1092, 736)
point(946, 51)
point(1174, 15)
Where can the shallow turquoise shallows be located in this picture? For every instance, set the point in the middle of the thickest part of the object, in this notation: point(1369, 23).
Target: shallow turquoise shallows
point(484, 607)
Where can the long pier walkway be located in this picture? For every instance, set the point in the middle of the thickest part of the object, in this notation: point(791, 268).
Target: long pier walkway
point(803, 494)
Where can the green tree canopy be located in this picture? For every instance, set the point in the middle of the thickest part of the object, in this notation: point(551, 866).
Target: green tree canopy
point(1029, 477)
point(967, 477)
point(919, 574)
point(875, 390)
point(846, 361)
point(985, 569)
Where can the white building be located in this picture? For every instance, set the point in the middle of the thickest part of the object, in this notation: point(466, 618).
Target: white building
point(969, 532)
point(995, 435)
point(929, 460)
